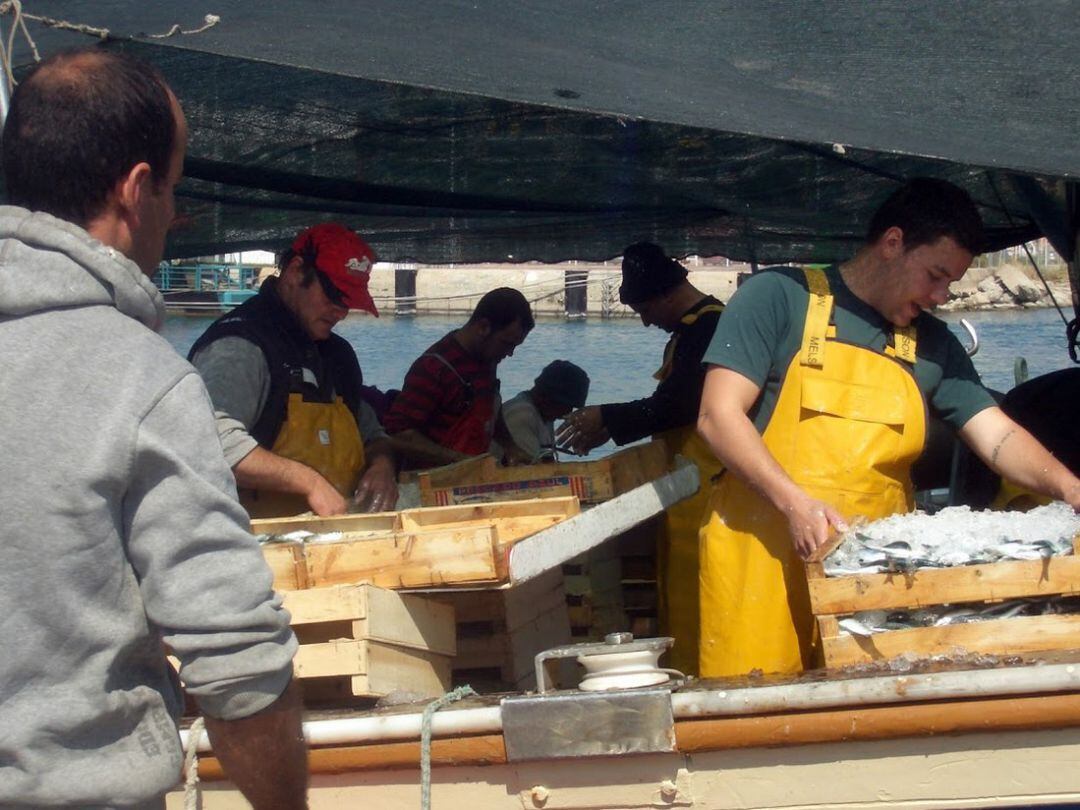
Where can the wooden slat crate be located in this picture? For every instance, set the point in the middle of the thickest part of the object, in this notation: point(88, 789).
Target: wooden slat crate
point(499, 632)
point(832, 598)
point(416, 548)
point(482, 480)
point(594, 594)
point(363, 641)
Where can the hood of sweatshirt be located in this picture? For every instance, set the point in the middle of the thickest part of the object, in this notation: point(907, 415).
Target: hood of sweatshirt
point(47, 263)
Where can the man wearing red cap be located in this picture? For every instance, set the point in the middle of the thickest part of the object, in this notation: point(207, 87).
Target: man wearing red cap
point(286, 390)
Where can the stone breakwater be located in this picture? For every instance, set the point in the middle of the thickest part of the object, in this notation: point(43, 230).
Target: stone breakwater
point(594, 288)
point(1006, 287)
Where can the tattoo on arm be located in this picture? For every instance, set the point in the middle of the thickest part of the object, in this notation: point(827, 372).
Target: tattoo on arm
point(997, 449)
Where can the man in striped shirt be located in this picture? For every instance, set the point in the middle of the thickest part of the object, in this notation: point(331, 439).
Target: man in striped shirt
point(448, 406)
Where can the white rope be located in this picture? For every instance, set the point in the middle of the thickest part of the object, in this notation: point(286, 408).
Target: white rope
point(14, 7)
point(192, 795)
point(210, 20)
point(425, 739)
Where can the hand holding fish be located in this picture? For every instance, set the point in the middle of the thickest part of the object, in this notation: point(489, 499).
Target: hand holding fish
point(583, 430)
point(811, 523)
point(377, 490)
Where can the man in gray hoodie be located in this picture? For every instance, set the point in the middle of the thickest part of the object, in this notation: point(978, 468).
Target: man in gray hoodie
point(121, 534)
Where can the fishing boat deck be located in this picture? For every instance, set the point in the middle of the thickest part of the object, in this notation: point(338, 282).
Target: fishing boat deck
point(959, 732)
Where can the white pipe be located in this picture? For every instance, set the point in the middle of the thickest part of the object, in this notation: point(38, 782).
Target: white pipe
point(390, 727)
point(852, 692)
point(878, 690)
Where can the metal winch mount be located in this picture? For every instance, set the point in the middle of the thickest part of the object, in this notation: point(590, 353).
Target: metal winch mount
point(618, 662)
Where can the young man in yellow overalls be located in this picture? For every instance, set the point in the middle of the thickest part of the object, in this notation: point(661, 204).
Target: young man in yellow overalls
point(656, 288)
point(287, 391)
point(815, 401)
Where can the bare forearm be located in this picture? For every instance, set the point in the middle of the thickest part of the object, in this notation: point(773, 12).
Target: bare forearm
point(735, 441)
point(261, 469)
point(1012, 452)
point(268, 472)
point(264, 755)
point(723, 423)
point(420, 451)
point(381, 452)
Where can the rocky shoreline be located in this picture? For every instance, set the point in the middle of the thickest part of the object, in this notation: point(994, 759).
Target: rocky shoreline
point(1005, 287)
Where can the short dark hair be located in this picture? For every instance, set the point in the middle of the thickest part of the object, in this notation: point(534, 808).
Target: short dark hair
point(78, 123)
point(926, 209)
point(503, 306)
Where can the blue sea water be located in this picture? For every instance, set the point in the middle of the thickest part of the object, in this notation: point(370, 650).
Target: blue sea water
point(1037, 335)
point(620, 355)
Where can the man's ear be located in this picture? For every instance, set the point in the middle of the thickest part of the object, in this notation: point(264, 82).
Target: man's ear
point(891, 242)
point(294, 265)
point(134, 188)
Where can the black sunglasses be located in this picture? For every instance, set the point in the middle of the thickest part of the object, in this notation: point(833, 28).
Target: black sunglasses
point(336, 296)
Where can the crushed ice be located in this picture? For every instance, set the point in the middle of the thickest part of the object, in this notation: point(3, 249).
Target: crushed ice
point(954, 536)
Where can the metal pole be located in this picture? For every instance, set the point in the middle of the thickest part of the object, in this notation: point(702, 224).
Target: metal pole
point(5, 99)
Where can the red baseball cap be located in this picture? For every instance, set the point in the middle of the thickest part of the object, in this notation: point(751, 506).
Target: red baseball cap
point(344, 257)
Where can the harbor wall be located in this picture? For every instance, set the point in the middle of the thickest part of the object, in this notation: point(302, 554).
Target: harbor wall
point(456, 290)
point(593, 289)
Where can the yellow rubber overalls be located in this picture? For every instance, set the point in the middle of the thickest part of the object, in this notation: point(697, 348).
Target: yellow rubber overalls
point(848, 424)
point(677, 539)
point(322, 435)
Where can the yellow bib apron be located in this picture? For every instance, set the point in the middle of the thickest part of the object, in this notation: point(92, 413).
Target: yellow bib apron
point(325, 437)
point(677, 538)
point(848, 424)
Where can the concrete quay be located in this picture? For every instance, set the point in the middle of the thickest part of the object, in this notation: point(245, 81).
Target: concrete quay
point(572, 289)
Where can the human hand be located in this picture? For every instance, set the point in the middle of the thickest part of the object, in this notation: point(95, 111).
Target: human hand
point(324, 499)
point(583, 430)
point(811, 523)
point(377, 490)
point(514, 456)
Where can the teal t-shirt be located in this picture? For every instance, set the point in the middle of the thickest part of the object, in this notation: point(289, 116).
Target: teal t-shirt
point(762, 330)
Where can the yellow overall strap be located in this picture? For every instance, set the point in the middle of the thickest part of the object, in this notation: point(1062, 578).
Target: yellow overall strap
point(904, 338)
point(812, 352)
point(689, 319)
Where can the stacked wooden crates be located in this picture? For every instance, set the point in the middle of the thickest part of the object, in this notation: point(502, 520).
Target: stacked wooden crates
point(500, 631)
point(834, 597)
point(360, 641)
point(364, 641)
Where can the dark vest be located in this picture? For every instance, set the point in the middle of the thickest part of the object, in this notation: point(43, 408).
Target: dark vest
point(266, 322)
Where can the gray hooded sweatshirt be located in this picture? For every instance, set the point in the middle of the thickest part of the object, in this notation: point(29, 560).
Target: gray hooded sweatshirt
point(119, 530)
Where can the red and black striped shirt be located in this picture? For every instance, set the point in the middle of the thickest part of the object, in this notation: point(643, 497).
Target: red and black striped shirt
point(437, 392)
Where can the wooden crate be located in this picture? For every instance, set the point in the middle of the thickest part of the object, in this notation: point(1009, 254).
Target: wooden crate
point(482, 480)
point(363, 641)
point(499, 632)
point(415, 548)
point(832, 598)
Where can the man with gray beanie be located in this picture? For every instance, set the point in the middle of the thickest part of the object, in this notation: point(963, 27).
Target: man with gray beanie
point(656, 288)
point(530, 416)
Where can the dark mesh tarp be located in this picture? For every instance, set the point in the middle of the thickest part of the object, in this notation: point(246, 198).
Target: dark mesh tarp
point(485, 130)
